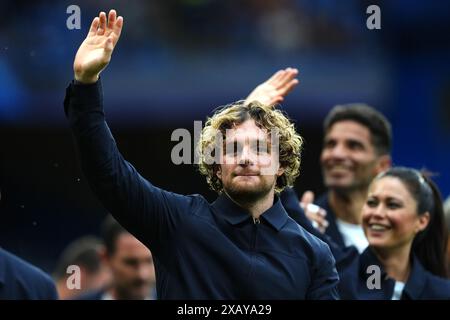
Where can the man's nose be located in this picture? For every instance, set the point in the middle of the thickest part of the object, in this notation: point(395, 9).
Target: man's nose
point(143, 271)
point(246, 157)
point(339, 151)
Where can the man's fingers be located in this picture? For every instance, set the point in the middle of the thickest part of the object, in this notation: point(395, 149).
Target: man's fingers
point(111, 19)
point(313, 212)
point(317, 220)
point(117, 29)
point(102, 26)
point(288, 88)
point(287, 77)
point(282, 77)
point(311, 207)
point(289, 73)
point(276, 76)
point(308, 197)
point(315, 217)
point(315, 224)
point(322, 212)
point(94, 26)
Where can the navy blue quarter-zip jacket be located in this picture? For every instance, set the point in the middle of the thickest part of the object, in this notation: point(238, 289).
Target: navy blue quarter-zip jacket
point(20, 280)
point(201, 250)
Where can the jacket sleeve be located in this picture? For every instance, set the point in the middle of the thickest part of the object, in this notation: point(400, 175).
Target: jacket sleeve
point(325, 279)
point(47, 288)
point(148, 212)
point(343, 256)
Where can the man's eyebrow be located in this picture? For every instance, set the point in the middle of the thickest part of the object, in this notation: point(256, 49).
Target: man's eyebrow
point(355, 140)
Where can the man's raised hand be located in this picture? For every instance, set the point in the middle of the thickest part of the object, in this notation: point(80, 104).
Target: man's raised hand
point(314, 213)
point(95, 52)
point(276, 88)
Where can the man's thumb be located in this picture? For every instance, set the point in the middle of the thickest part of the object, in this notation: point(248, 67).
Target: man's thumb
point(308, 197)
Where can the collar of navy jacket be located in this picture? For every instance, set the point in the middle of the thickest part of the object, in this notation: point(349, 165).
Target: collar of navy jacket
point(415, 284)
point(288, 262)
point(276, 216)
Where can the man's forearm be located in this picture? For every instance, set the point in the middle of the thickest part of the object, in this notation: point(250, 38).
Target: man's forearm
point(84, 109)
point(138, 205)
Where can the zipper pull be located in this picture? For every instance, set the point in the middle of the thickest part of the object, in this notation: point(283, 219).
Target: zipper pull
point(256, 221)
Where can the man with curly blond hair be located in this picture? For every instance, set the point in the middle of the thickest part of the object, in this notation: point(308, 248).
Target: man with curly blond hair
point(243, 245)
point(275, 135)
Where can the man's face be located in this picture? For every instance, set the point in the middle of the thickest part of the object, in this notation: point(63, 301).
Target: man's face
point(246, 161)
point(132, 268)
point(349, 160)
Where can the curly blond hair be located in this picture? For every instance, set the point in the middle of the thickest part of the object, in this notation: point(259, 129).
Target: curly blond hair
point(266, 117)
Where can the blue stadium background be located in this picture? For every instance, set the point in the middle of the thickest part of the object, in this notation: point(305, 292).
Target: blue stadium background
point(179, 59)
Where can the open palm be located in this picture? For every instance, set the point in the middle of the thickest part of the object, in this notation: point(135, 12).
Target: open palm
point(95, 52)
point(274, 89)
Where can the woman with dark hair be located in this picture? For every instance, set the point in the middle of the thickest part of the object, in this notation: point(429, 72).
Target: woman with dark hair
point(403, 221)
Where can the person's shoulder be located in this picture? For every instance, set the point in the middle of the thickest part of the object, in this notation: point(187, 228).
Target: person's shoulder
point(181, 203)
point(436, 287)
point(197, 203)
point(315, 245)
point(197, 199)
point(30, 278)
point(20, 267)
point(193, 200)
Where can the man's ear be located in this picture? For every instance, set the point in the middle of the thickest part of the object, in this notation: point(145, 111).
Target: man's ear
point(280, 171)
point(218, 172)
point(384, 162)
point(104, 256)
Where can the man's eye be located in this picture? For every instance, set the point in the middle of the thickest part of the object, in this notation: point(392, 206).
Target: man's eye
point(393, 205)
point(371, 203)
point(130, 262)
point(353, 145)
point(329, 144)
point(233, 149)
point(259, 150)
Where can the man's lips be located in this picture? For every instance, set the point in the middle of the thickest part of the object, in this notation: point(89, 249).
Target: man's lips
point(247, 174)
point(337, 167)
point(338, 171)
